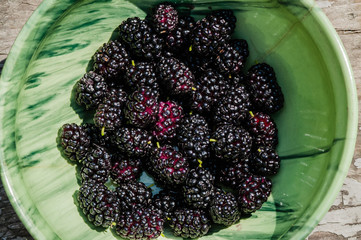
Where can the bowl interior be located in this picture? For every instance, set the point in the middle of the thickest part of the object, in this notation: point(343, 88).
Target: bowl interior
point(53, 52)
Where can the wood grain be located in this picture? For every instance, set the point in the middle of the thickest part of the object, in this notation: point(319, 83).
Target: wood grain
point(343, 221)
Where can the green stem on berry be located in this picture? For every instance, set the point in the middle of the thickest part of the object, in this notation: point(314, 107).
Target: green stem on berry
point(190, 48)
point(168, 218)
point(229, 76)
point(213, 140)
point(259, 150)
point(251, 113)
point(158, 145)
point(200, 163)
point(194, 89)
point(103, 131)
point(151, 185)
point(149, 142)
point(191, 112)
point(133, 63)
point(113, 224)
point(162, 235)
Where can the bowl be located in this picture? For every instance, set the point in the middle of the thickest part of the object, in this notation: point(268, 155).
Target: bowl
point(317, 127)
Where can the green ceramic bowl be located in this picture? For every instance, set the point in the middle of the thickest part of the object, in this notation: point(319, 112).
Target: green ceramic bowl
point(317, 127)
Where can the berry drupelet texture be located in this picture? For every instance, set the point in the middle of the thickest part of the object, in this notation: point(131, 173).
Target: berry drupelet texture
point(190, 223)
point(142, 74)
point(265, 161)
point(90, 90)
point(253, 192)
point(231, 143)
point(232, 174)
point(111, 60)
point(109, 113)
point(198, 189)
point(133, 195)
point(125, 169)
point(262, 128)
point(228, 60)
point(193, 137)
point(96, 165)
point(169, 165)
point(142, 223)
point(74, 141)
point(142, 107)
point(266, 94)
point(224, 208)
point(210, 87)
point(98, 203)
point(96, 138)
point(169, 116)
point(233, 107)
point(236, 80)
point(228, 16)
point(167, 202)
point(179, 40)
point(175, 76)
point(241, 46)
point(197, 63)
point(141, 38)
point(165, 18)
point(209, 34)
point(134, 142)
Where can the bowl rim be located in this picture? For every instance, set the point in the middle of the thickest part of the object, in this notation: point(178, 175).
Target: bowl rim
point(352, 121)
point(350, 139)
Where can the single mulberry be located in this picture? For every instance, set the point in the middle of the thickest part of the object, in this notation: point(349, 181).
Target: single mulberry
point(210, 87)
point(142, 107)
point(265, 161)
point(190, 223)
point(74, 141)
point(141, 38)
point(142, 74)
point(125, 169)
point(165, 18)
point(193, 137)
point(175, 76)
point(232, 174)
point(231, 143)
point(96, 165)
point(209, 34)
point(108, 115)
point(111, 60)
point(253, 192)
point(228, 16)
point(169, 117)
point(266, 94)
point(198, 189)
point(233, 107)
point(98, 203)
point(90, 90)
point(134, 142)
point(224, 208)
point(169, 165)
point(141, 223)
point(133, 195)
point(263, 129)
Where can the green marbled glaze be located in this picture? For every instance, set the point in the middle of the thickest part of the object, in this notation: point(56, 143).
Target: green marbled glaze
point(317, 127)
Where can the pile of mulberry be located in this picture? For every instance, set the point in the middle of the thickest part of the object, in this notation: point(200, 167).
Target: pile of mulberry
point(177, 132)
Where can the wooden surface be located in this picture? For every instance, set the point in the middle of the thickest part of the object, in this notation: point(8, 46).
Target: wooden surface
point(343, 221)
